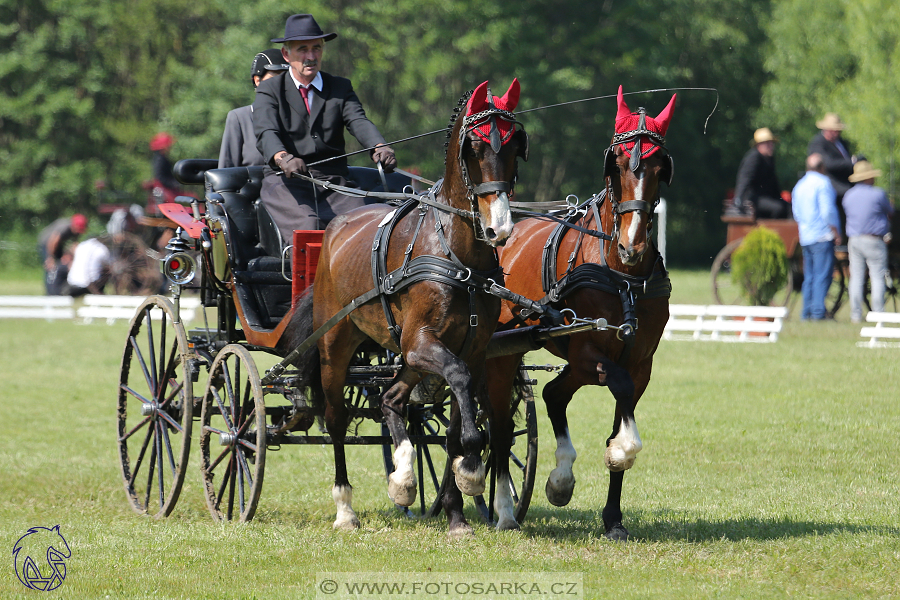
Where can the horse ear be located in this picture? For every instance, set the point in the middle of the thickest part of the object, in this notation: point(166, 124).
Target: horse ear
point(663, 118)
point(623, 111)
point(478, 102)
point(511, 98)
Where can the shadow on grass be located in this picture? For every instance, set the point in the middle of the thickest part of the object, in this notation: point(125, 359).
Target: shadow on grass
point(669, 526)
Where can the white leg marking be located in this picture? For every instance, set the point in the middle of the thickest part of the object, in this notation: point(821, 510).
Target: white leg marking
point(402, 482)
point(470, 484)
point(504, 505)
point(561, 482)
point(343, 500)
point(623, 448)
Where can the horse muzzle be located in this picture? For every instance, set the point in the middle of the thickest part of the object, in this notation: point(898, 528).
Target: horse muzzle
point(498, 224)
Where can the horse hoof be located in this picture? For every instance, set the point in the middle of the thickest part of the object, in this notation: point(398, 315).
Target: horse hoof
point(557, 496)
point(617, 533)
point(508, 525)
point(350, 523)
point(617, 459)
point(401, 494)
point(470, 483)
point(463, 531)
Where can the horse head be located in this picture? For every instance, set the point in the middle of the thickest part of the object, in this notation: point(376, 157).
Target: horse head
point(635, 164)
point(486, 144)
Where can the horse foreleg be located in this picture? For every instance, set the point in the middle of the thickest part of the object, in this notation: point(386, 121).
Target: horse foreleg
point(342, 492)
point(452, 500)
point(467, 466)
point(402, 482)
point(612, 512)
point(501, 384)
point(625, 442)
point(557, 395)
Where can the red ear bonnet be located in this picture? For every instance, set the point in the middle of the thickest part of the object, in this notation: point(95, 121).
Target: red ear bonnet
point(627, 121)
point(479, 102)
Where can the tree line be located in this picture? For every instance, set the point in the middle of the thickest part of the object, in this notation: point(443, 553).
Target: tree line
point(85, 85)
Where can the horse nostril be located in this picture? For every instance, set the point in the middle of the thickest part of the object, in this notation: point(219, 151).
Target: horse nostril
point(490, 233)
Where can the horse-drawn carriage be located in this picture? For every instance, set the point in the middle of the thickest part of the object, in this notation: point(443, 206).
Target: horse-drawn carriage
point(415, 362)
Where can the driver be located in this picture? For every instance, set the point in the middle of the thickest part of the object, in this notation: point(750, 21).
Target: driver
point(299, 118)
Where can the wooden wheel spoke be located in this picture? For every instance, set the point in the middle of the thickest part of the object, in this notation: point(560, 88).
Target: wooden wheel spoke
point(165, 438)
point(137, 465)
point(248, 445)
point(434, 478)
point(231, 486)
point(151, 347)
point(226, 477)
point(160, 473)
point(516, 461)
point(177, 386)
point(163, 372)
point(215, 463)
point(151, 471)
point(135, 394)
point(172, 422)
point(134, 429)
point(222, 409)
point(151, 385)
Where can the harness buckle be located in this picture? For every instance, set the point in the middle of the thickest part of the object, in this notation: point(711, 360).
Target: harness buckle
point(473, 320)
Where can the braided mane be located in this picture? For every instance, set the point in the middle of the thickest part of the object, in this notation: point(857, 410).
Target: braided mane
point(453, 118)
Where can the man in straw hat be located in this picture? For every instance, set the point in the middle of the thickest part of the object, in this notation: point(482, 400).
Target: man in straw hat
point(239, 140)
point(757, 182)
point(300, 117)
point(868, 213)
point(835, 152)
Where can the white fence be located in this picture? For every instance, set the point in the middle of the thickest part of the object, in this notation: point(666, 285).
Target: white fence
point(887, 326)
point(101, 307)
point(724, 323)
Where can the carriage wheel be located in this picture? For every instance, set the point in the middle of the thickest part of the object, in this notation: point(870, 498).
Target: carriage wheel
point(726, 292)
point(132, 271)
point(155, 408)
point(233, 436)
point(523, 457)
point(837, 292)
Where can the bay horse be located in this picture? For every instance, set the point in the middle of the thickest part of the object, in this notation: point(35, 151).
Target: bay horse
point(429, 262)
point(623, 281)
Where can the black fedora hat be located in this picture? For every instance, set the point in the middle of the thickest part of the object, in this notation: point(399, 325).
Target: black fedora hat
point(303, 27)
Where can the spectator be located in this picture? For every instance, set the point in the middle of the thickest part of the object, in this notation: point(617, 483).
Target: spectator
point(52, 243)
point(868, 213)
point(299, 117)
point(239, 141)
point(90, 268)
point(164, 185)
point(814, 208)
point(835, 152)
point(757, 182)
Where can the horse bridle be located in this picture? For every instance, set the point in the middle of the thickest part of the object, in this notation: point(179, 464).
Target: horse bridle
point(609, 164)
point(496, 142)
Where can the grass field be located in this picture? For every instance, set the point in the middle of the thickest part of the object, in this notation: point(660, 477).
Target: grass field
point(768, 471)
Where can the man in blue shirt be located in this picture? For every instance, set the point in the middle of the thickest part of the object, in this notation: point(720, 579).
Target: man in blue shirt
point(868, 213)
point(815, 210)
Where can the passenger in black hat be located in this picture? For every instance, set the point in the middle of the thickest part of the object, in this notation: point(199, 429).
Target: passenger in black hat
point(239, 140)
point(299, 118)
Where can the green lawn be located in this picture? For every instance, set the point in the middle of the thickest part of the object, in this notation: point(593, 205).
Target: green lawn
point(768, 471)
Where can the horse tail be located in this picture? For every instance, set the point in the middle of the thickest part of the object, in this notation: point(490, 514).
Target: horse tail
point(298, 329)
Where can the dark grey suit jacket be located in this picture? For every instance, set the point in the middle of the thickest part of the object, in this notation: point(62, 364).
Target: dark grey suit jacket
point(282, 123)
point(239, 140)
point(839, 167)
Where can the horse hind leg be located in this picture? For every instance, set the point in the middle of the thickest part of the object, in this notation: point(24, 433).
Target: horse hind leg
point(561, 482)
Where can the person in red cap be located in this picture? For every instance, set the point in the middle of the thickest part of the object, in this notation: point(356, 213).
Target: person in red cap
point(52, 243)
point(164, 185)
point(299, 118)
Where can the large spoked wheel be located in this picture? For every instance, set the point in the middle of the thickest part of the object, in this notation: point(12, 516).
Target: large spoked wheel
point(233, 436)
point(837, 292)
point(132, 271)
point(726, 292)
point(426, 425)
point(522, 455)
point(155, 408)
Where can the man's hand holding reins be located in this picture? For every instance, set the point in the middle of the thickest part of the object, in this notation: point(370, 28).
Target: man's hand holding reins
point(385, 155)
point(291, 165)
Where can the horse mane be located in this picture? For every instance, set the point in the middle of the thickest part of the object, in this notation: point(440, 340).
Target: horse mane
point(460, 104)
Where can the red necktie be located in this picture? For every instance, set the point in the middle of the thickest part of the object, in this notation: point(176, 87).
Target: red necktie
point(304, 91)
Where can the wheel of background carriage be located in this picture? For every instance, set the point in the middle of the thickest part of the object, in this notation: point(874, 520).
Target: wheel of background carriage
point(726, 292)
point(155, 408)
point(233, 436)
point(432, 463)
point(522, 455)
point(132, 271)
point(837, 292)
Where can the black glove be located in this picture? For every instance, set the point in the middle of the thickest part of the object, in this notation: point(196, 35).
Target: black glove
point(385, 156)
point(291, 165)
